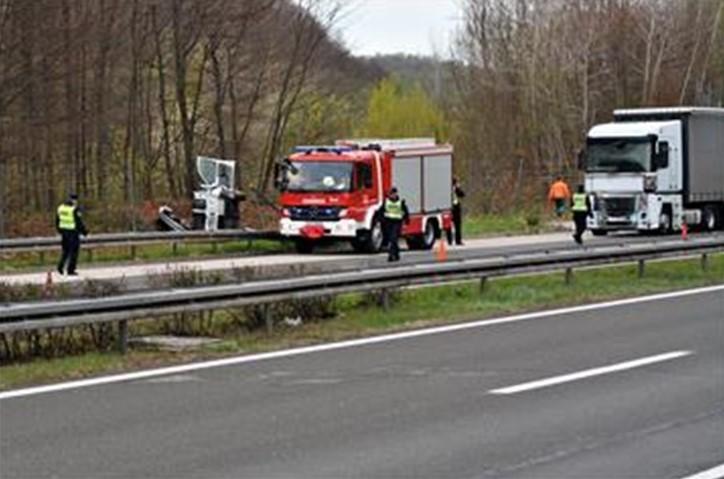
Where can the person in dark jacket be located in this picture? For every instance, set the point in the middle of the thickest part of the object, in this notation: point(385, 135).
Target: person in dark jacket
point(457, 213)
point(69, 223)
point(395, 213)
point(581, 208)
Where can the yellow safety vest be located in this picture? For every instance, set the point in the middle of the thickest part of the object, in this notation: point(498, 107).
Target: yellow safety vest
point(393, 209)
point(66, 216)
point(456, 200)
point(579, 202)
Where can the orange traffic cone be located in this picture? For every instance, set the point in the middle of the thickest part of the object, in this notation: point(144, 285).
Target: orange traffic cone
point(441, 254)
point(684, 232)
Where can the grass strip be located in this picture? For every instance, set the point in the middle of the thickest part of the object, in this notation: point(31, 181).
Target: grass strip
point(358, 316)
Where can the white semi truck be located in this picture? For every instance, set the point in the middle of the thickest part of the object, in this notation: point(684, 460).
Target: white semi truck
point(656, 169)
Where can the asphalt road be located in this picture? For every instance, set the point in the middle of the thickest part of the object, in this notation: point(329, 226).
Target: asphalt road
point(633, 390)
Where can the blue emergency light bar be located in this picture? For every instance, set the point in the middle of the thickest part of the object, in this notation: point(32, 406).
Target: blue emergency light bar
point(321, 149)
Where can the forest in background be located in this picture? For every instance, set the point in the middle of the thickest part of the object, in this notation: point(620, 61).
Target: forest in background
point(114, 99)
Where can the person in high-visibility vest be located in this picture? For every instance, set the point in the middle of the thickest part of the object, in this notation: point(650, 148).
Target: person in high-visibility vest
point(394, 212)
point(559, 194)
point(69, 223)
point(581, 207)
point(457, 213)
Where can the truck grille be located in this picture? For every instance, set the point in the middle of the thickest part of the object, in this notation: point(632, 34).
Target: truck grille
point(619, 206)
point(314, 213)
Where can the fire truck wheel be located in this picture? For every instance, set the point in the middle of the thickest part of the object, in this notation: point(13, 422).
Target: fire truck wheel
point(369, 241)
point(303, 246)
point(426, 240)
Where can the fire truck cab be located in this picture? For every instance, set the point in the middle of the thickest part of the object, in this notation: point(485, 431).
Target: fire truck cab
point(336, 192)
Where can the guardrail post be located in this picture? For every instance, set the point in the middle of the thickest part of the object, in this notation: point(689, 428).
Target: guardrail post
point(41, 257)
point(123, 336)
point(268, 320)
point(705, 261)
point(215, 247)
point(89, 255)
point(483, 284)
point(569, 275)
point(133, 251)
point(385, 299)
point(174, 248)
point(642, 268)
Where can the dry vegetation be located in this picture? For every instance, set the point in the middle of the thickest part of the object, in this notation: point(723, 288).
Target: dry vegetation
point(115, 98)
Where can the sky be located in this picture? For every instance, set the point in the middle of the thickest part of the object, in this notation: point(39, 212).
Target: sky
point(421, 27)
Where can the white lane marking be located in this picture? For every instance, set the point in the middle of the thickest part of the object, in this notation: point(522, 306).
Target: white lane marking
point(589, 373)
point(713, 473)
point(184, 368)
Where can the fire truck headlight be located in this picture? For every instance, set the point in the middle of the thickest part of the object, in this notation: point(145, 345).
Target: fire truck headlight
point(343, 213)
point(286, 213)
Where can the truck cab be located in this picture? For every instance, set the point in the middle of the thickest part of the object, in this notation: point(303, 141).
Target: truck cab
point(330, 192)
point(633, 171)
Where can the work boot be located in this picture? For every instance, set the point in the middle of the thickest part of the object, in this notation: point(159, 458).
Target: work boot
point(60, 270)
point(72, 273)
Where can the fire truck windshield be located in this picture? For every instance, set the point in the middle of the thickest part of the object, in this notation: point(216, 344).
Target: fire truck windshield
point(619, 155)
point(319, 176)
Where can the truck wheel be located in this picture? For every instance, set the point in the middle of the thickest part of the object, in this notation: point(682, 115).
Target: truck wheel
point(424, 241)
point(429, 236)
point(665, 222)
point(599, 232)
point(369, 241)
point(303, 246)
point(710, 219)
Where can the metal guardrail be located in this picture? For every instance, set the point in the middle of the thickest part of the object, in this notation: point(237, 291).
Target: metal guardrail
point(13, 245)
point(121, 308)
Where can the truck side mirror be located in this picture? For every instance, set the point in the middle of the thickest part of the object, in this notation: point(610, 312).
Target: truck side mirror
point(662, 157)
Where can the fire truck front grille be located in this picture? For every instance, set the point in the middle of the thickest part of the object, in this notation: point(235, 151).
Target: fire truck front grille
point(315, 213)
point(620, 206)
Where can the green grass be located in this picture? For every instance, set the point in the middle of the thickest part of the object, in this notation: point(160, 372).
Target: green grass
point(143, 253)
point(509, 224)
point(412, 308)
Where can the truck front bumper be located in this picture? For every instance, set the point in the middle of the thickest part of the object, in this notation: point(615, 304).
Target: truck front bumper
point(643, 215)
point(345, 228)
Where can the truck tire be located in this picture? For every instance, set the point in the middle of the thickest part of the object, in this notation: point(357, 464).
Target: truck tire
point(710, 218)
point(599, 232)
point(426, 240)
point(369, 241)
point(666, 222)
point(303, 246)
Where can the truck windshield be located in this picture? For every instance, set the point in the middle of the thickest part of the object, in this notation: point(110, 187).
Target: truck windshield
point(319, 176)
point(617, 155)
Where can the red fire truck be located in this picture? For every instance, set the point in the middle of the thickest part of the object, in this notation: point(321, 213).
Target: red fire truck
point(336, 192)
